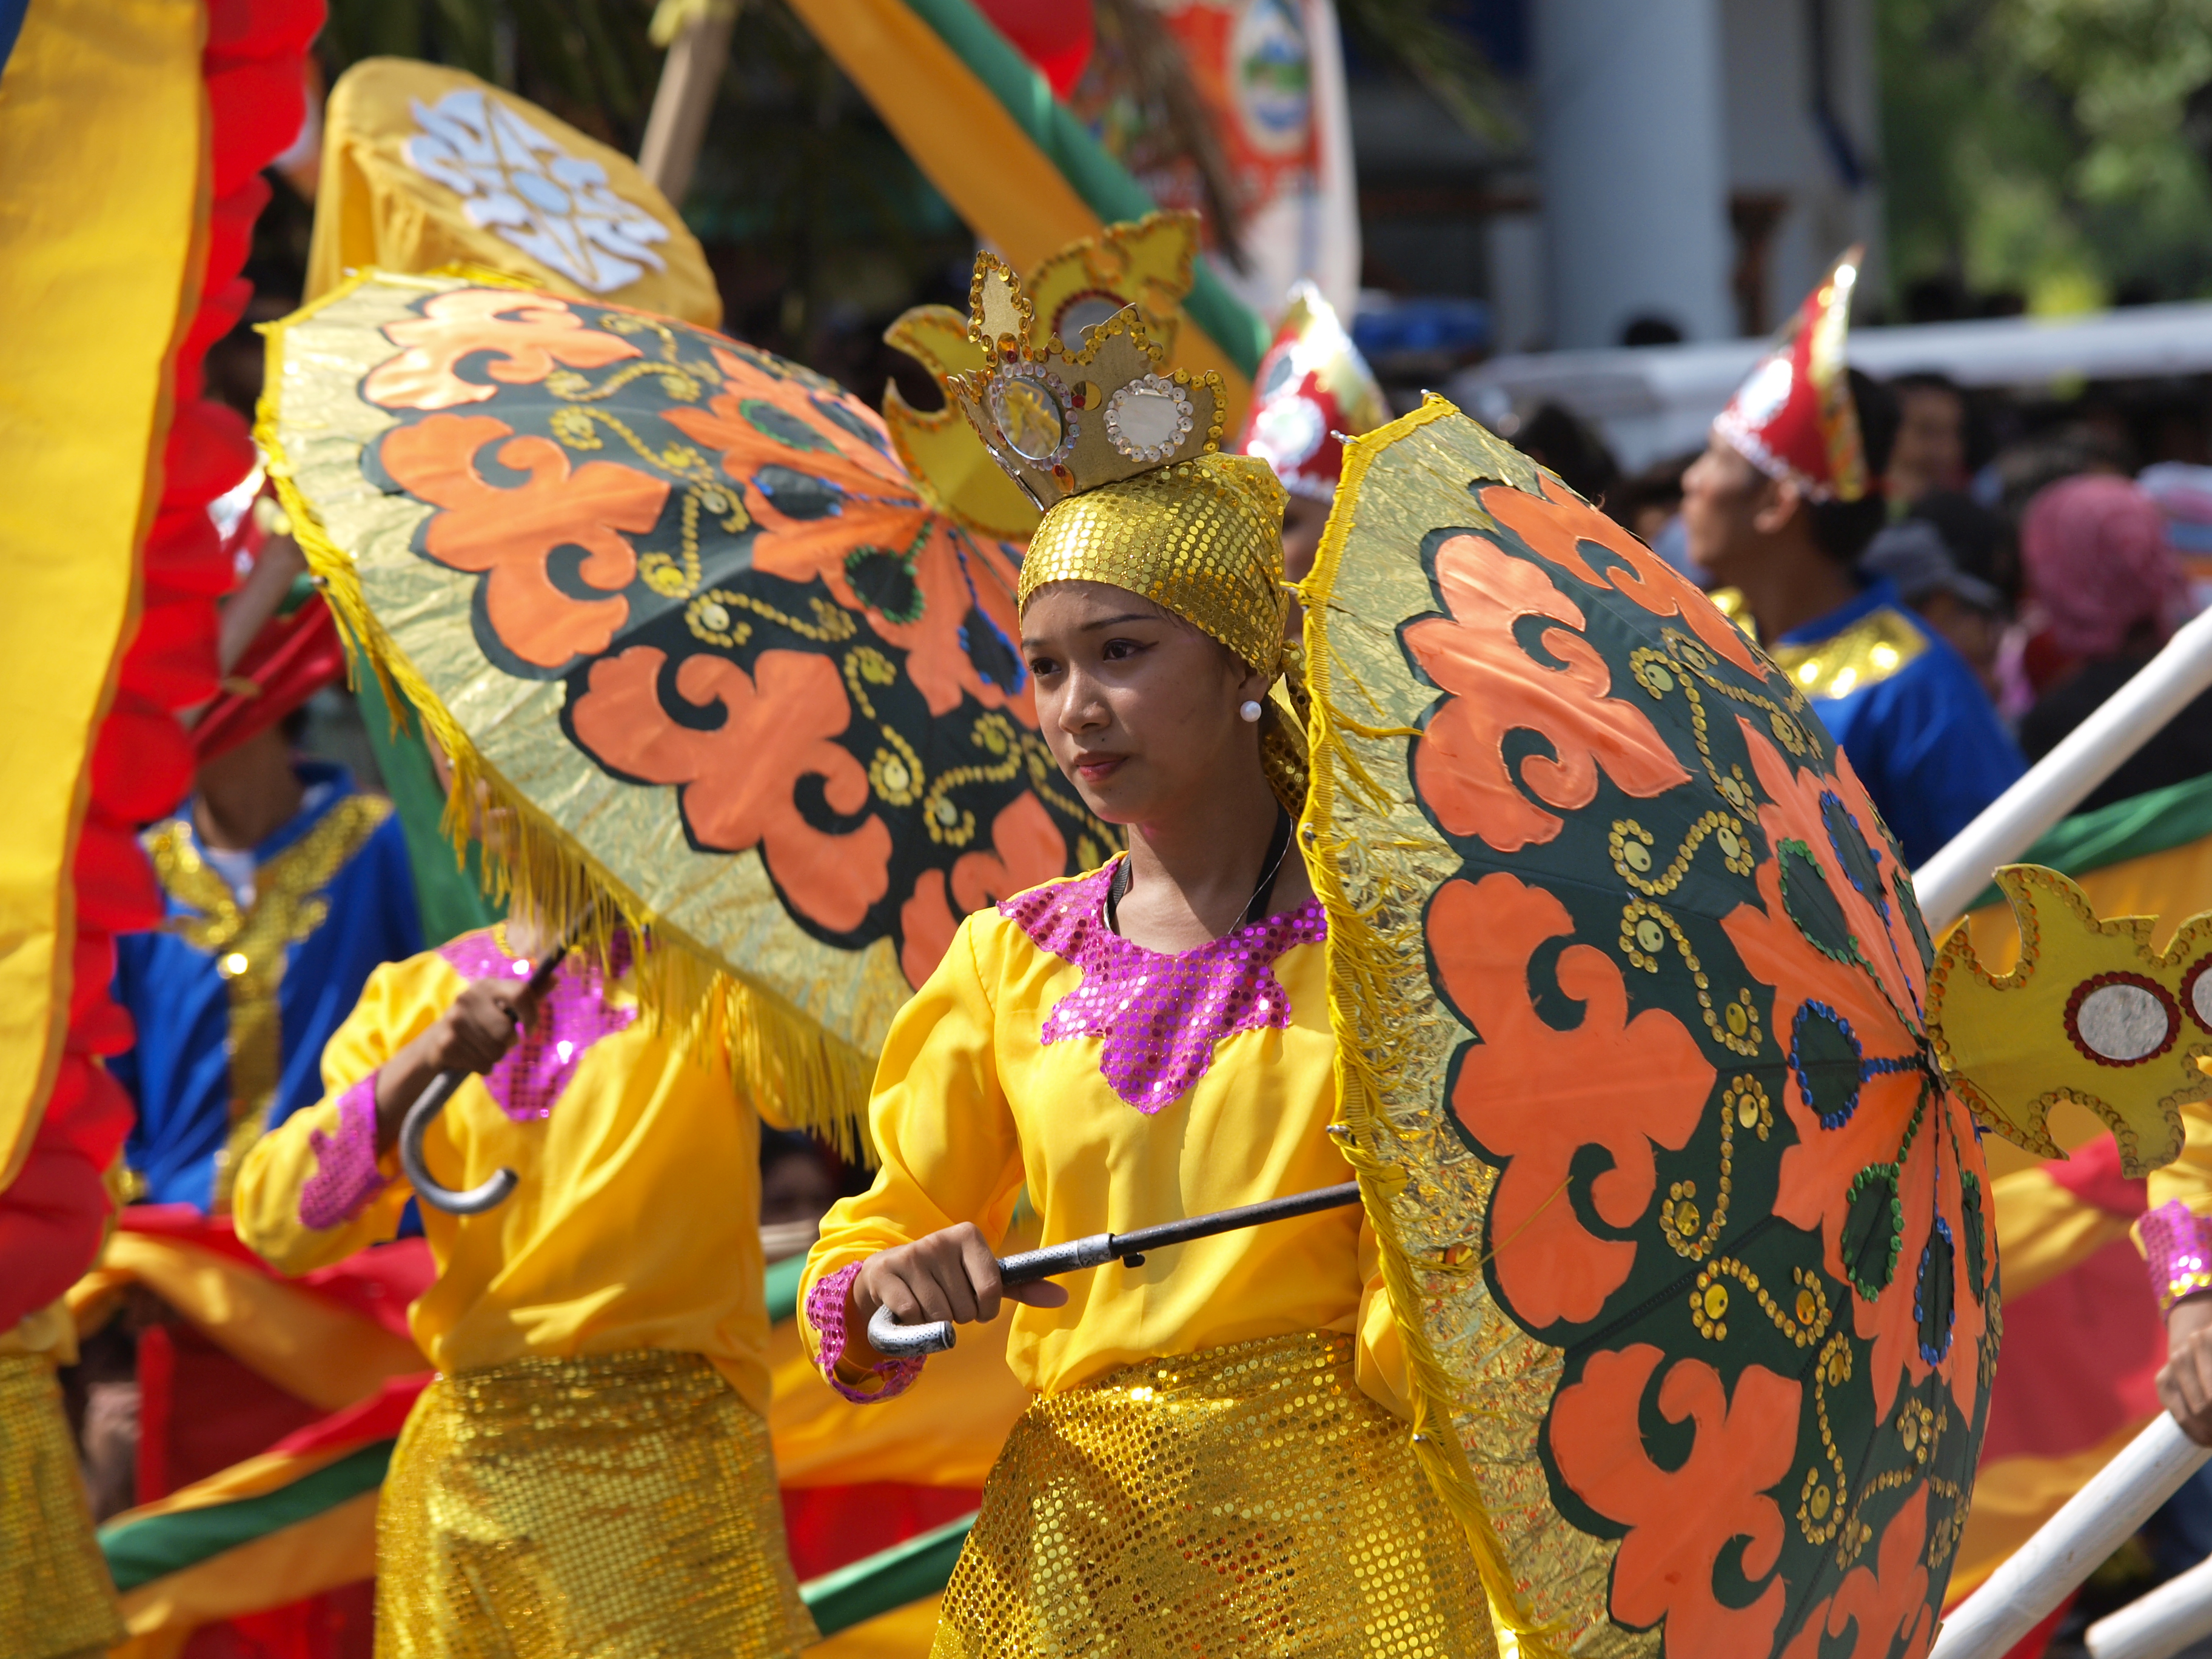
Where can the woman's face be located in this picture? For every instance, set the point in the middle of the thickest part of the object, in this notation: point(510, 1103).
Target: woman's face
point(1140, 708)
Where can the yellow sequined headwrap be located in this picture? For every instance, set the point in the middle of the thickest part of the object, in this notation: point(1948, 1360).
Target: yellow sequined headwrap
point(1202, 539)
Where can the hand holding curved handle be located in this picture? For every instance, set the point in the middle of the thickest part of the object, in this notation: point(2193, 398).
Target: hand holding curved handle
point(895, 1341)
point(473, 1201)
point(488, 1194)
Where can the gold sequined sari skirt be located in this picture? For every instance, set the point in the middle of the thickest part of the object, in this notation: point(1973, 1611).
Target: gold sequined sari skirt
point(1244, 1500)
point(621, 1505)
point(55, 1595)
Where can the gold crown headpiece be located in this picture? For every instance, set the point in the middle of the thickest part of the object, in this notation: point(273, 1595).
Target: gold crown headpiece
point(1061, 423)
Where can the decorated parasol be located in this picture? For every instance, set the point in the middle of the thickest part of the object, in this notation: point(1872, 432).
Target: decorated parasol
point(692, 638)
point(1691, 1236)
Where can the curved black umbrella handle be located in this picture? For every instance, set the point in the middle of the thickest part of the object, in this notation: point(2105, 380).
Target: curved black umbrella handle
point(488, 1194)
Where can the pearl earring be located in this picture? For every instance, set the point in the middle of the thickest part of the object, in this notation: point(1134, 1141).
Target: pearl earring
point(1249, 712)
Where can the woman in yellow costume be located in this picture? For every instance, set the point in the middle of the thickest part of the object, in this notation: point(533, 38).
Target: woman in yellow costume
point(1216, 1457)
point(591, 1472)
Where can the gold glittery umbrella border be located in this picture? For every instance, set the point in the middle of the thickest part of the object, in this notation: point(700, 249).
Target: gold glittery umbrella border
point(1481, 1385)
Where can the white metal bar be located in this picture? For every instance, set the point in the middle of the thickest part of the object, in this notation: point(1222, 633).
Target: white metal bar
point(2057, 784)
point(2159, 1625)
point(2073, 1543)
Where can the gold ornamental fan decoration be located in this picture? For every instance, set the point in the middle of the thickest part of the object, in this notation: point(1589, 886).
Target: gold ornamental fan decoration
point(2090, 1013)
point(1061, 423)
point(1149, 264)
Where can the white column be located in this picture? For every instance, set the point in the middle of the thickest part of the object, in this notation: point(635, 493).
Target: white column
point(1634, 166)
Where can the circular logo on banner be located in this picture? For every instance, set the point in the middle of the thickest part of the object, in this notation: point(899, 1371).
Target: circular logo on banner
point(1272, 73)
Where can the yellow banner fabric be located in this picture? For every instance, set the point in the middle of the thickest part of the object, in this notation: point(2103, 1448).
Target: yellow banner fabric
point(103, 142)
point(1008, 191)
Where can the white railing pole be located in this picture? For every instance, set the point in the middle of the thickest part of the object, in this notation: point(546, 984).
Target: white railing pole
point(2159, 1625)
point(2055, 784)
point(2070, 1546)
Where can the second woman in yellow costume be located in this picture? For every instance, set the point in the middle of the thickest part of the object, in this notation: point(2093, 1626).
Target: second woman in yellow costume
point(1218, 1457)
point(591, 1472)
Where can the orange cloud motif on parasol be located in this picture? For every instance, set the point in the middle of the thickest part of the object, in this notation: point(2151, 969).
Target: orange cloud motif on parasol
point(1687, 1225)
point(509, 535)
point(678, 608)
point(1463, 763)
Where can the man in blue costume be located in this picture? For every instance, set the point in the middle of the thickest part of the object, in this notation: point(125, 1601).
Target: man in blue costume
point(1779, 508)
point(286, 885)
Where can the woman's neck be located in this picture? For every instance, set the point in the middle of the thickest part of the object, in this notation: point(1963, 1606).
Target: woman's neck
point(1193, 875)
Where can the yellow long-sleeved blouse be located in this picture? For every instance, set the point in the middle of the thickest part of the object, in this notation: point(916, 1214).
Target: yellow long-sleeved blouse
point(2189, 1177)
point(636, 1224)
point(1121, 1088)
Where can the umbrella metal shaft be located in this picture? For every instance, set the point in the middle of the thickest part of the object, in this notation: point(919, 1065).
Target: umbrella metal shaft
point(897, 1341)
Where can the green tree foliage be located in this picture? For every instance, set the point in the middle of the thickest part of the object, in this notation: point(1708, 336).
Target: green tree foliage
point(2056, 148)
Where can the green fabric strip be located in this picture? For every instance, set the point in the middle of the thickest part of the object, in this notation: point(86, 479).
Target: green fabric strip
point(449, 895)
point(920, 1567)
point(1102, 182)
point(2156, 822)
point(139, 1551)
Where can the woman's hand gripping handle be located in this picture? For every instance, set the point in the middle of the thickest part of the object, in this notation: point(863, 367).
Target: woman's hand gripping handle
point(909, 1299)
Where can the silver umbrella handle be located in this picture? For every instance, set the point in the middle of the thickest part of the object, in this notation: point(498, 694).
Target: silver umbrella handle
point(488, 1194)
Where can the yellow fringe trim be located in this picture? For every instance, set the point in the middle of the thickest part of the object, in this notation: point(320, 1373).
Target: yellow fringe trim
point(1363, 959)
point(795, 1073)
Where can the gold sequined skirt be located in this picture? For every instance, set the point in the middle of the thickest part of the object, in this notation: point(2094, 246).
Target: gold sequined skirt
point(55, 1595)
point(1248, 1499)
point(621, 1506)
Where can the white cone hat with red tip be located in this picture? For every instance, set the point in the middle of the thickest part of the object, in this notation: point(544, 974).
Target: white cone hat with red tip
point(1794, 419)
point(1313, 390)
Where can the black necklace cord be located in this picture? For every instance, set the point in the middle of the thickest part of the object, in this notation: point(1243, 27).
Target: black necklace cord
point(1255, 908)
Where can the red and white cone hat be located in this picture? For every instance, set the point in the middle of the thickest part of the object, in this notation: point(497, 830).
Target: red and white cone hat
point(1793, 418)
point(1312, 384)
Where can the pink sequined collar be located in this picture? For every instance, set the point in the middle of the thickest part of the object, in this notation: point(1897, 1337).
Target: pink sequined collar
point(1160, 1016)
point(574, 1015)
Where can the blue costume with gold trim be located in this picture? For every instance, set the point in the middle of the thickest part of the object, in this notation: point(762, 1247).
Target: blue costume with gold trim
point(234, 1002)
point(1909, 712)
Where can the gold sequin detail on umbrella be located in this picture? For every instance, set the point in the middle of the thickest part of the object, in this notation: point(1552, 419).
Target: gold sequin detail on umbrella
point(55, 1594)
point(1243, 1499)
point(622, 1506)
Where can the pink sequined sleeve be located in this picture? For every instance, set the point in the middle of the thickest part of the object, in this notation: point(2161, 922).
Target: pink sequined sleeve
point(346, 1177)
point(2177, 1244)
point(825, 1311)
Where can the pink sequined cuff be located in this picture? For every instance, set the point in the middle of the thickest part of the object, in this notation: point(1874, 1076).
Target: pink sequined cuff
point(2176, 1243)
point(346, 1177)
point(825, 1311)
